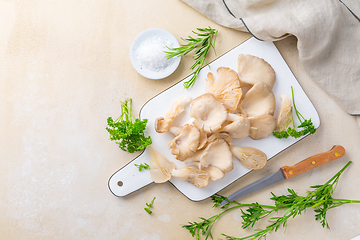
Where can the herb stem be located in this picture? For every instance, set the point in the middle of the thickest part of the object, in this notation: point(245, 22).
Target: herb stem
point(200, 45)
point(293, 100)
point(319, 199)
point(344, 201)
point(306, 125)
point(127, 130)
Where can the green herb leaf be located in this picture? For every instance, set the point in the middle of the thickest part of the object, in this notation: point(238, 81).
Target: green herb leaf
point(292, 205)
point(149, 206)
point(200, 45)
point(306, 125)
point(128, 131)
point(142, 166)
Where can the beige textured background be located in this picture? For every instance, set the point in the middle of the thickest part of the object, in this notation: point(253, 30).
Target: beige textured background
point(64, 67)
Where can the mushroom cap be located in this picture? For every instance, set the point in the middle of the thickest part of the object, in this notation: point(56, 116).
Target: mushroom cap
point(285, 113)
point(214, 172)
point(162, 124)
point(209, 113)
point(186, 143)
point(258, 100)
point(160, 166)
point(218, 154)
point(239, 126)
point(261, 126)
point(199, 178)
point(252, 70)
point(226, 87)
point(250, 157)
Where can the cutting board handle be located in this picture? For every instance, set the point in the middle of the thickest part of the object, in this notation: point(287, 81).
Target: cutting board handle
point(128, 179)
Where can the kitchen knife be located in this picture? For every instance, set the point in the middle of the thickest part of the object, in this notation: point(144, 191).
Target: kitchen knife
point(286, 172)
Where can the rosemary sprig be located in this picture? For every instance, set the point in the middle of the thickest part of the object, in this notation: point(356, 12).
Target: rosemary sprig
point(200, 45)
point(319, 199)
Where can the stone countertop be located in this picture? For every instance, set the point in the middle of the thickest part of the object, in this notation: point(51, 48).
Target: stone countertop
point(64, 67)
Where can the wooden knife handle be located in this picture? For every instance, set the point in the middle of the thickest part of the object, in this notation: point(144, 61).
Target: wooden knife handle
point(312, 162)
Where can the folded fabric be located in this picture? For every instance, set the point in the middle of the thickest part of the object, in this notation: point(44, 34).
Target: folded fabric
point(328, 34)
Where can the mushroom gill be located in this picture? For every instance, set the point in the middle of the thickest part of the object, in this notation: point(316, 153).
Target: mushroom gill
point(160, 166)
point(197, 177)
point(194, 161)
point(250, 157)
point(285, 113)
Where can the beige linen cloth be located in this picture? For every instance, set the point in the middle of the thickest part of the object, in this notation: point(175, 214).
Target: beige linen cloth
point(328, 34)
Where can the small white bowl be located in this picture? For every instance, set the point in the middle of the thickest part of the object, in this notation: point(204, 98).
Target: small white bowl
point(157, 36)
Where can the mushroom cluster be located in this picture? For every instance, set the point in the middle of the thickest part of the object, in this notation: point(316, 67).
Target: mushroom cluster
point(236, 104)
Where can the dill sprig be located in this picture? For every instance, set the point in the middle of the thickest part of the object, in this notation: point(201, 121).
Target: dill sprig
point(292, 204)
point(305, 124)
point(200, 45)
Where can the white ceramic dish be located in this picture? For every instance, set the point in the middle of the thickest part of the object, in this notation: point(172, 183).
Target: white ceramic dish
point(151, 72)
point(131, 179)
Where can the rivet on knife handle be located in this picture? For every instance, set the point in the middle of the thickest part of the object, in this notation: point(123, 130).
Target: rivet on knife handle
point(312, 162)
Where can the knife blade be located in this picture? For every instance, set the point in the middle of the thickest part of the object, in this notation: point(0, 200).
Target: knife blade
point(287, 172)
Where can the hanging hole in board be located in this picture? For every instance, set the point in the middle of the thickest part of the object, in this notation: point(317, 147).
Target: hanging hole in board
point(120, 183)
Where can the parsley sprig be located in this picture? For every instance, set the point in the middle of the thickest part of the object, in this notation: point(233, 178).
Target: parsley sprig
point(200, 45)
point(142, 166)
point(320, 199)
point(149, 206)
point(306, 125)
point(127, 130)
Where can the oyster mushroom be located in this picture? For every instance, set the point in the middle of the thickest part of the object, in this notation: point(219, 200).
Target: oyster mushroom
point(162, 124)
point(186, 143)
point(250, 157)
point(214, 173)
point(258, 100)
point(261, 126)
point(239, 126)
point(217, 154)
point(285, 113)
point(226, 88)
point(209, 113)
point(253, 70)
point(160, 166)
point(197, 177)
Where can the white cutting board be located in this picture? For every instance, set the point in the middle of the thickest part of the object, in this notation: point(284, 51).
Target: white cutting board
point(131, 179)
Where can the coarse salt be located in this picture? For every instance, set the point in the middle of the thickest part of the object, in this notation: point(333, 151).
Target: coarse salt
point(150, 54)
